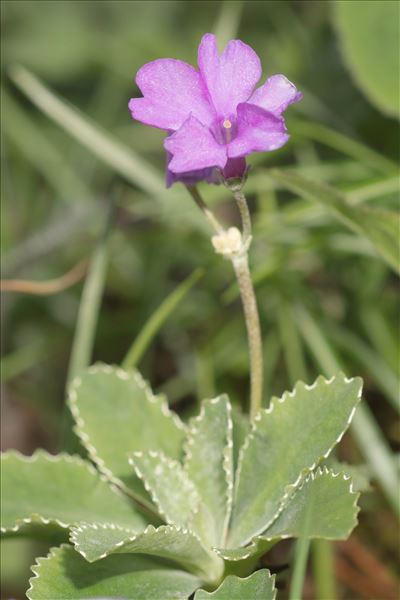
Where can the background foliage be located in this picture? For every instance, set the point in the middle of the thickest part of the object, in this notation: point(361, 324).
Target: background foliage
point(87, 191)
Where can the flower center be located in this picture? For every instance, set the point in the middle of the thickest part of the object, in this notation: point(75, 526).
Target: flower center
point(224, 131)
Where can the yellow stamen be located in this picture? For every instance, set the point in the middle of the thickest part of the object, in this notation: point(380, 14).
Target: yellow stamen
point(227, 124)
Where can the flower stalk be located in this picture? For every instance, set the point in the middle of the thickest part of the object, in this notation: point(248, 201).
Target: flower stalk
point(243, 209)
point(242, 271)
point(234, 246)
point(248, 297)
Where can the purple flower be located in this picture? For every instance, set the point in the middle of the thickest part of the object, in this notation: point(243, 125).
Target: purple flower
point(213, 115)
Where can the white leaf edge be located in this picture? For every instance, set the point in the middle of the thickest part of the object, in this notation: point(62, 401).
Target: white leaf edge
point(55, 458)
point(170, 462)
point(79, 427)
point(204, 572)
point(265, 411)
point(227, 459)
point(252, 547)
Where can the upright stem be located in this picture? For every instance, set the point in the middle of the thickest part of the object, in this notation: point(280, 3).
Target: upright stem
point(241, 266)
point(244, 213)
point(239, 258)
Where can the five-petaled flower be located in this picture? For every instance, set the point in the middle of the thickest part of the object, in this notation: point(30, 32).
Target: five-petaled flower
point(213, 115)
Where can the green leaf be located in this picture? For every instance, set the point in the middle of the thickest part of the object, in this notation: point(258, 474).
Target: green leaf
point(60, 490)
point(360, 474)
point(324, 506)
point(367, 433)
point(241, 428)
point(370, 48)
point(379, 226)
point(258, 586)
point(96, 542)
point(66, 575)
point(116, 414)
point(286, 442)
point(171, 490)
point(209, 462)
point(258, 547)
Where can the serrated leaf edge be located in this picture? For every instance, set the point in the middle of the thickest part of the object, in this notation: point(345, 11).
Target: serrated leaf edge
point(227, 459)
point(35, 568)
point(80, 423)
point(265, 411)
point(311, 476)
point(172, 464)
point(150, 528)
point(55, 458)
point(271, 579)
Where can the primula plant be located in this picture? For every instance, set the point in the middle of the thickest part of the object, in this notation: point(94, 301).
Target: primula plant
point(162, 508)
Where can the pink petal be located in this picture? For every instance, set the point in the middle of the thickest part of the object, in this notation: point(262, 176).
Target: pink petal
point(194, 147)
point(276, 94)
point(231, 77)
point(190, 177)
point(172, 91)
point(258, 131)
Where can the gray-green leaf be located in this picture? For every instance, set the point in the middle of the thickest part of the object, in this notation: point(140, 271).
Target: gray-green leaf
point(288, 440)
point(98, 541)
point(170, 488)
point(209, 462)
point(116, 414)
point(61, 490)
point(324, 506)
point(258, 586)
point(65, 575)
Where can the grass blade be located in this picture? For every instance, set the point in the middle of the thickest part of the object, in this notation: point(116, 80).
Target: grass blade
point(299, 570)
point(41, 153)
point(342, 143)
point(379, 226)
point(100, 143)
point(323, 569)
point(157, 319)
point(86, 322)
point(364, 428)
point(228, 22)
point(383, 375)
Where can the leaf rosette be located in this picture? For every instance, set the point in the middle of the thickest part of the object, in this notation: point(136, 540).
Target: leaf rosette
point(179, 503)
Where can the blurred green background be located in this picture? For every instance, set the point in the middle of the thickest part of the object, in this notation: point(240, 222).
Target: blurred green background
point(84, 191)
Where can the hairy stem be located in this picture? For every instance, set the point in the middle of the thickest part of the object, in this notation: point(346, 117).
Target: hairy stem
point(240, 264)
point(249, 302)
point(241, 267)
point(244, 213)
